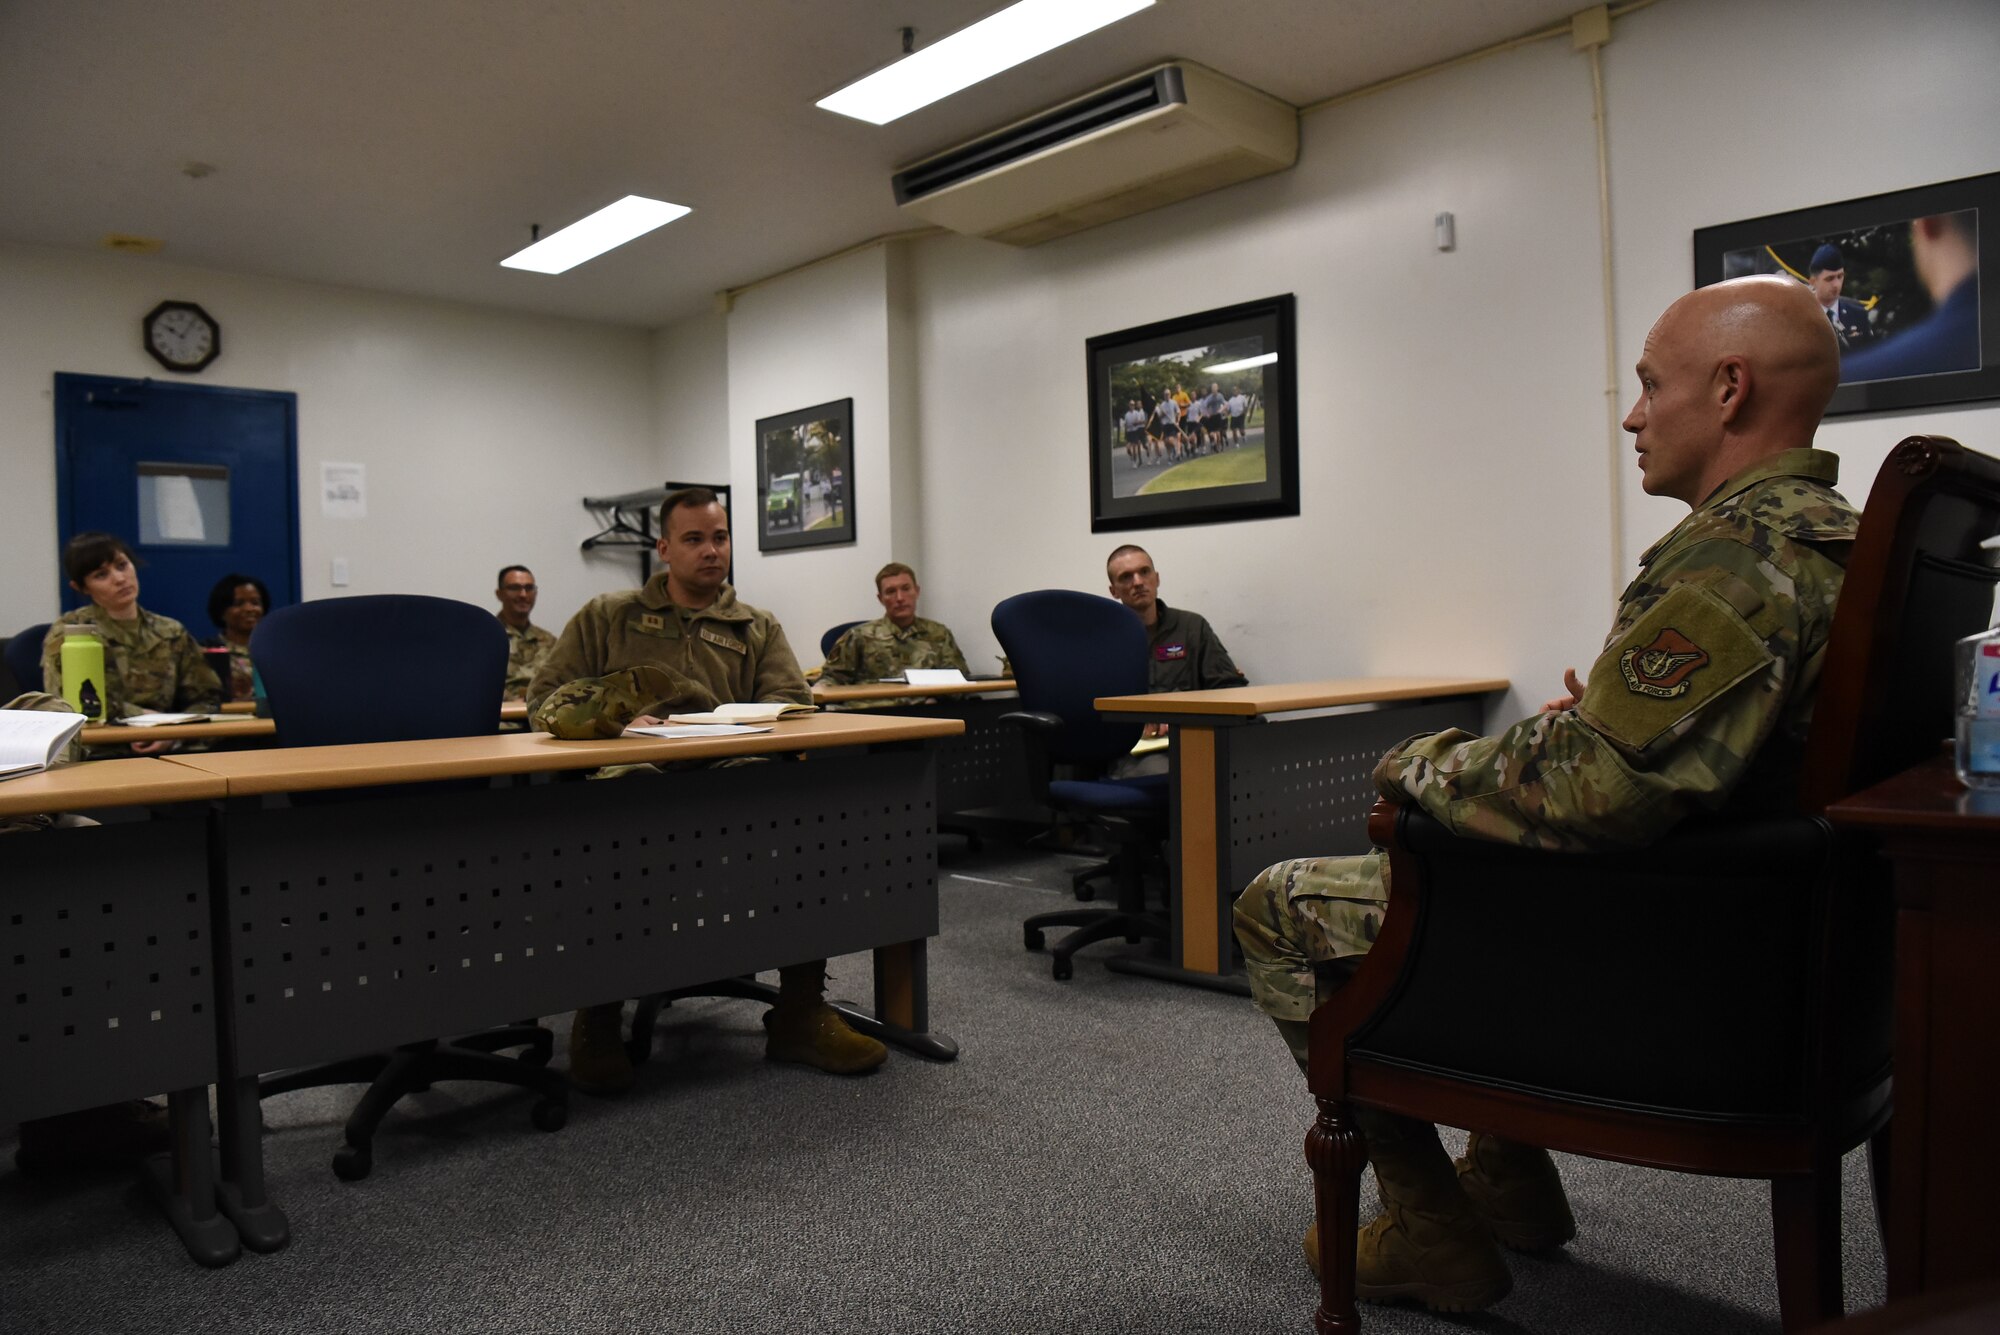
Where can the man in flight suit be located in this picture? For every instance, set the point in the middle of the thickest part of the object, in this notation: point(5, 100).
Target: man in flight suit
point(1699, 702)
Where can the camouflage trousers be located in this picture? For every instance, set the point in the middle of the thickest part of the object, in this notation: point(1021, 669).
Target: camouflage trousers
point(1300, 914)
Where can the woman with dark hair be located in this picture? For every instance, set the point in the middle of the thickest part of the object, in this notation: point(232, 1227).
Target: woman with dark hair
point(236, 604)
point(151, 663)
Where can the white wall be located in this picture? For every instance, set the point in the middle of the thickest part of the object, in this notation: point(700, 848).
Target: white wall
point(691, 401)
point(481, 431)
point(1720, 111)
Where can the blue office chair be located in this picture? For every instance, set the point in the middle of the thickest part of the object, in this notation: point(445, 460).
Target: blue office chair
point(832, 637)
point(392, 668)
point(1068, 649)
point(24, 657)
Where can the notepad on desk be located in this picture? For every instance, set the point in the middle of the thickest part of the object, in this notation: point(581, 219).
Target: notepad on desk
point(765, 711)
point(166, 720)
point(697, 729)
point(933, 677)
point(31, 739)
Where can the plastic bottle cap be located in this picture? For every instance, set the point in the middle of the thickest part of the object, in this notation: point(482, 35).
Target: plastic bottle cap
point(80, 628)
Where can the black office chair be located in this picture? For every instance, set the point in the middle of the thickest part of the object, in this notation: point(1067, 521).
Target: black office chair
point(832, 637)
point(1068, 649)
point(24, 657)
point(388, 668)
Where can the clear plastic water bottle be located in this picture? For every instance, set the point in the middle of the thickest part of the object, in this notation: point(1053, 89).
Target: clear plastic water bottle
point(1979, 710)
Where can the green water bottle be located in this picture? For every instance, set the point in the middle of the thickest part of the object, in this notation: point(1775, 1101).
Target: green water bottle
point(83, 670)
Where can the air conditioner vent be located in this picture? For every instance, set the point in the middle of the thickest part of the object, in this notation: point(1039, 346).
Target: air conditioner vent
point(1160, 136)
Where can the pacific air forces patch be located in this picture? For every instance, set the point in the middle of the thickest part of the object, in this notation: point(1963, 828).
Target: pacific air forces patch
point(1663, 668)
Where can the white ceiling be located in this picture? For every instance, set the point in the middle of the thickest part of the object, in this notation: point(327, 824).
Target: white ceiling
point(406, 145)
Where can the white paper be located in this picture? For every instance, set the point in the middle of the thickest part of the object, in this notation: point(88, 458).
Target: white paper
point(696, 729)
point(933, 676)
point(744, 711)
point(31, 738)
point(157, 720)
point(343, 491)
point(176, 513)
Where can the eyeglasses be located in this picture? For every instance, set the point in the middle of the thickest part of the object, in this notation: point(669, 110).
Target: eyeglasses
point(517, 588)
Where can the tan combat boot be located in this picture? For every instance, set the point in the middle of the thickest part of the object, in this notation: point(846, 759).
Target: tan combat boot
point(1517, 1191)
point(598, 1062)
point(1428, 1245)
point(803, 1028)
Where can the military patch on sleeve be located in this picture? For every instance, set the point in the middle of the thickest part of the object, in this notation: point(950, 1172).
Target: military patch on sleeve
point(1664, 667)
point(1688, 650)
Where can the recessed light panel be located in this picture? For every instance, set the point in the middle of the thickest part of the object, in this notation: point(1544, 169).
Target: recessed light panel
point(586, 238)
point(997, 42)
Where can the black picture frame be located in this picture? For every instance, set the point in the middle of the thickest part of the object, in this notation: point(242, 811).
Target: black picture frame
point(1133, 483)
point(1908, 346)
point(805, 477)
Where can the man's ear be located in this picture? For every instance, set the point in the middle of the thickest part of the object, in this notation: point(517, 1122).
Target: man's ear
point(1732, 387)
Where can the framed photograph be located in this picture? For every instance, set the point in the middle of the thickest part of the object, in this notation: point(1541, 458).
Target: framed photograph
point(1194, 420)
point(1898, 278)
point(805, 477)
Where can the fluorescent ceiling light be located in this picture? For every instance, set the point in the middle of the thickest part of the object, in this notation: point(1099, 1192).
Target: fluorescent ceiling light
point(997, 42)
point(586, 238)
point(1245, 364)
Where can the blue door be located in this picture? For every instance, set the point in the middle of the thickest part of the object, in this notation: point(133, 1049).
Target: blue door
point(200, 480)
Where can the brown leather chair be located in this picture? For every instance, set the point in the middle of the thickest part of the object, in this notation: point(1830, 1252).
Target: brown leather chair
point(1718, 1002)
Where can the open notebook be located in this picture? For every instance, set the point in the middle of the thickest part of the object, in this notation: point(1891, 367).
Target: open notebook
point(769, 712)
point(31, 739)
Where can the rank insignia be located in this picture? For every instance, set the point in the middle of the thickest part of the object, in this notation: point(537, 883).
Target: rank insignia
point(652, 621)
point(1662, 668)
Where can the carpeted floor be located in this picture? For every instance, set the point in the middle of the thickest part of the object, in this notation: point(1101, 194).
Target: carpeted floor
point(1108, 1155)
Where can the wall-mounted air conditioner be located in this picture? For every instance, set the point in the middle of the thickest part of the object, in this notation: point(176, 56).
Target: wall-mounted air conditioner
point(1170, 132)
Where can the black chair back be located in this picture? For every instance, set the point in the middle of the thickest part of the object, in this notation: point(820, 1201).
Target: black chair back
point(832, 637)
point(24, 657)
point(1067, 649)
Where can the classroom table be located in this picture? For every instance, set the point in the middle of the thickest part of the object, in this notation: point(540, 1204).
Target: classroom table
point(322, 930)
point(241, 726)
point(1264, 773)
point(1944, 844)
point(984, 768)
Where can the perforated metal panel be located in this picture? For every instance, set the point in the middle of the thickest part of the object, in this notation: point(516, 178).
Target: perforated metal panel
point(1301, 788)
point(360, 926)
point(106, 986)
point(986, 766)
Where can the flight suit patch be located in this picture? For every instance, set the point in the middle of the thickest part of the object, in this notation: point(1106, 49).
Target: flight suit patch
point(1663, 668)
point(1170, 653)
point(721, 641)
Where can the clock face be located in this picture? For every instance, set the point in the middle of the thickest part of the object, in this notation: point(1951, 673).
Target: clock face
point(182, 336)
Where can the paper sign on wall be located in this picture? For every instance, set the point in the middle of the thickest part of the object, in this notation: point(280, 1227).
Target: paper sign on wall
point(343, 491)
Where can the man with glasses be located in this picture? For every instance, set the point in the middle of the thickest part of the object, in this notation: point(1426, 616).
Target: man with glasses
point(527, 643)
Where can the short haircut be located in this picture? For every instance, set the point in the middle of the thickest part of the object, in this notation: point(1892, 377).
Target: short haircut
point(85, 553)
point(1825, 258)
point(694, 496)
point(1118, 552)
point(501, 578)
point(224, 593)
point(892, 569)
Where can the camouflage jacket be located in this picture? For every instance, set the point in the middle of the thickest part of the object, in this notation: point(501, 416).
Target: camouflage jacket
point(1187, 655)
point(55, 704)
point(151, 664)
point(727, 652)
point(877, 649)
point(242, 681)
point(525, 651)
point(1702, 695)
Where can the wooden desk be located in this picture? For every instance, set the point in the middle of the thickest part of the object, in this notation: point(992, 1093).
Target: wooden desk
point(1944, 843)
point(240, 729)
point(1246, 795)
point(827, 693)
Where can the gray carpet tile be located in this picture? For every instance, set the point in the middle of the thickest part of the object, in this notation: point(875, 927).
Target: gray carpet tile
point(1112, 1154)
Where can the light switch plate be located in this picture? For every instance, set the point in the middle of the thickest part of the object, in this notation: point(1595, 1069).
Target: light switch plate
point(339, 572)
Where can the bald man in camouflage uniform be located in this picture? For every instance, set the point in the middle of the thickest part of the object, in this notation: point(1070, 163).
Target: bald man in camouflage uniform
point(894, 642)
point(1699, 702)
point(684, 643)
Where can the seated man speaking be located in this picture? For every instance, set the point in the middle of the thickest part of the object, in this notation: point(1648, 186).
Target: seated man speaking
point(684, 642)
point(1699, 702)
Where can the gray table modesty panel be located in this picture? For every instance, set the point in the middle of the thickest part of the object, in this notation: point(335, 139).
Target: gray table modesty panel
point(1301, 787)
point(358, 926)
point(105, 966)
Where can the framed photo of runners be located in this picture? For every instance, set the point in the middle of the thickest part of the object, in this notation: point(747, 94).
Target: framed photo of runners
point(805, 477)
point(1898, 277)
point(1194, 420)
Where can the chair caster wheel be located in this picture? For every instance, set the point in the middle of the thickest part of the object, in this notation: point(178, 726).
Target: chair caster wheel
point(351, 1163)
point(1060, 970)
point(549, 1115)
point(535, 1056)
point(1032, 938)
point(1086, 892)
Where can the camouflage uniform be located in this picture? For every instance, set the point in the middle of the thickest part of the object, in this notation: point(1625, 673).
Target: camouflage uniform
point(525, 651)
point(151, 664)
point(877, 649)
point(1187, 654)
point(726, 652)
point(1699, 702)
point(53, 704)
